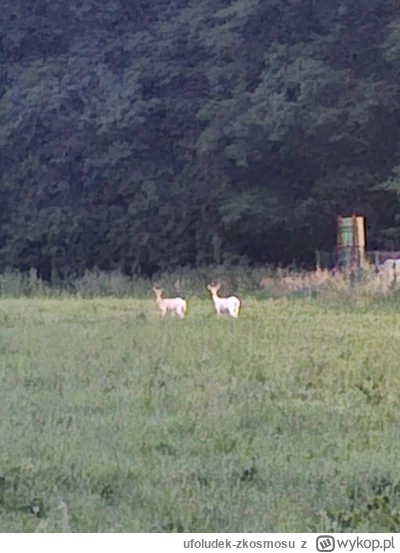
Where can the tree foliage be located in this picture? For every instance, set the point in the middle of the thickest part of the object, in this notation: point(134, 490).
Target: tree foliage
point(143, 136)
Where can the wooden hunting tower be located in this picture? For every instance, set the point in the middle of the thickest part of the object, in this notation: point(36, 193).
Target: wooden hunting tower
point(351, 242)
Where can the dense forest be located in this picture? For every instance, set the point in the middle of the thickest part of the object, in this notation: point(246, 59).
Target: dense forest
point(142, 136)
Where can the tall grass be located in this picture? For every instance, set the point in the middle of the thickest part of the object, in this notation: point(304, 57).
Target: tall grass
point(113, 420)
point(264, 282)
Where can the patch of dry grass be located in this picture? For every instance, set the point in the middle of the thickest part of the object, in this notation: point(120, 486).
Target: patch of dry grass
point(361, 286)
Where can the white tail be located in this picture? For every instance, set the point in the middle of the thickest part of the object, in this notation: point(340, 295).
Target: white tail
point(170, 304)
point(231, 305)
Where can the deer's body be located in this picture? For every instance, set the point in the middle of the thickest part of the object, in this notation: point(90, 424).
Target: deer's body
point(229, 305)
point(177, 305)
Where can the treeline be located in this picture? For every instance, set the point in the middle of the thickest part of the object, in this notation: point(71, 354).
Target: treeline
point(143, 136)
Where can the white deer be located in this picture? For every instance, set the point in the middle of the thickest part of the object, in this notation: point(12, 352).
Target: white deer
point(231, 305)
point(170, 304)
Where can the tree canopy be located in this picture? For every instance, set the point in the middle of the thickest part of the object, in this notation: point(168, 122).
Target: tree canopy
point(147, 135)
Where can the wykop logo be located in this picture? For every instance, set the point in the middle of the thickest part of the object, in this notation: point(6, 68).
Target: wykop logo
point(325, 544)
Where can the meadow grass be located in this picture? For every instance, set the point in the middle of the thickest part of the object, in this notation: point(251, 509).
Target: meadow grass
point(113, 420)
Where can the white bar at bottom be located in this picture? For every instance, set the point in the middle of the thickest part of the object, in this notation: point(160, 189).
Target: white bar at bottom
point(175, 543)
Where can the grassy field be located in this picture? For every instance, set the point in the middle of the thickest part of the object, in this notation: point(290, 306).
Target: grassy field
point(112, 420)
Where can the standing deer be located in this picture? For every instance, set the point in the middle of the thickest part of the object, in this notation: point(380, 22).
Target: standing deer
point(231, 305)
point(170, 304)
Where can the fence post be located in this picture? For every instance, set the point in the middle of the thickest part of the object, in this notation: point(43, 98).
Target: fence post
point(318, 260)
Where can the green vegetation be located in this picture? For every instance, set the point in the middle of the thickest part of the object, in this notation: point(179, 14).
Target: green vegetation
point(286, 419)
point(187, 141)
point(141, 136)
